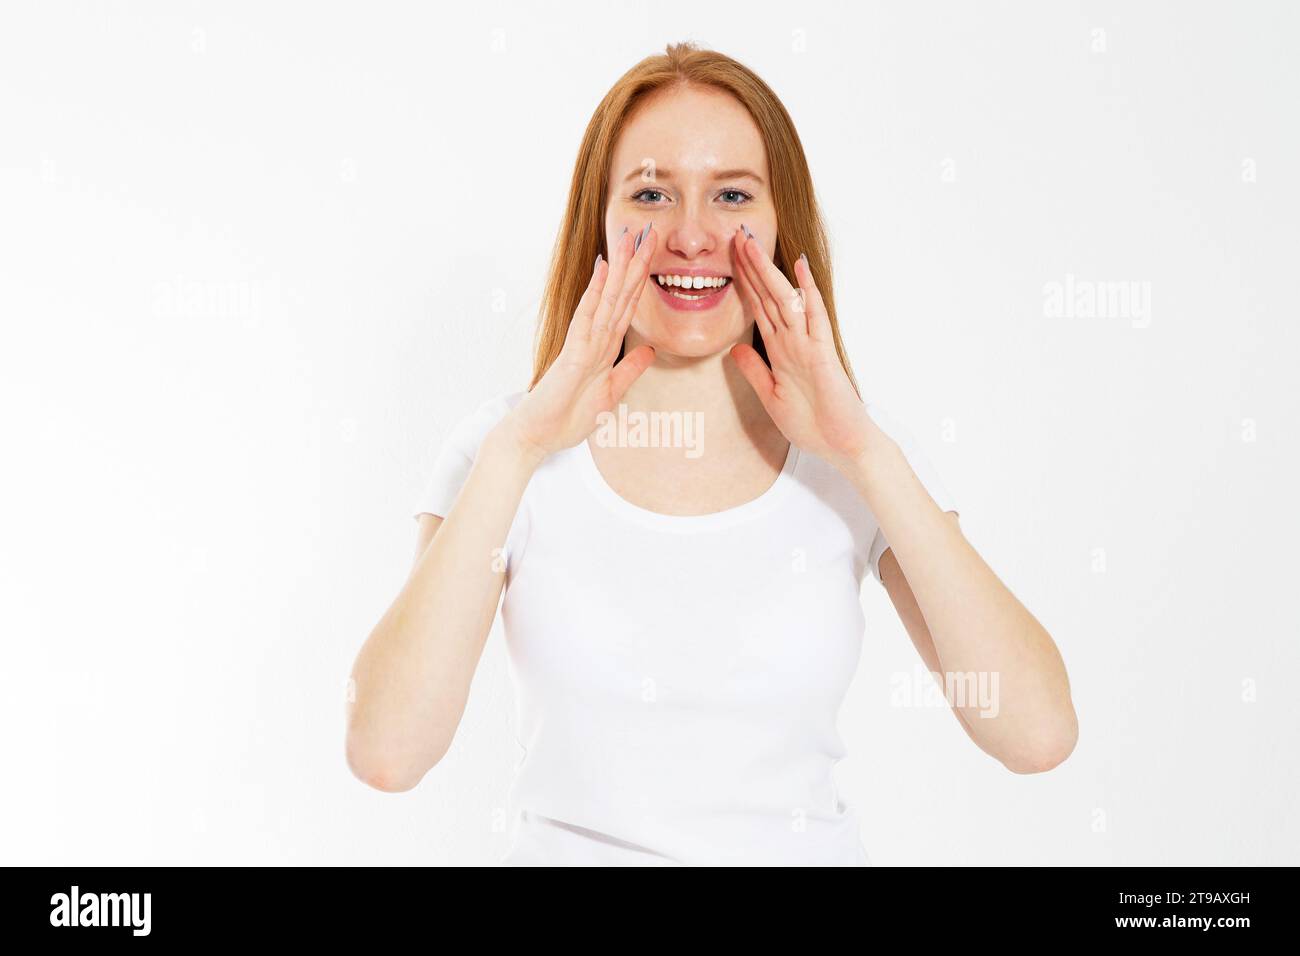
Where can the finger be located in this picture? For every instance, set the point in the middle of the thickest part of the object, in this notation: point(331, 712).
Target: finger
point(755, 370)
point(634, 283)
point(743, 276)
point(638, 279)
point(629, 370)
point(759, 285)
point(819, 320)
point(582, 315)
point(775, 288)
point(774, 328)
point(769, 331)
point(618, 259)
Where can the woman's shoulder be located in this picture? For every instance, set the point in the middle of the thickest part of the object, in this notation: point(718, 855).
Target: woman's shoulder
point(498, 405)
point(458, 450)
point(468, 433)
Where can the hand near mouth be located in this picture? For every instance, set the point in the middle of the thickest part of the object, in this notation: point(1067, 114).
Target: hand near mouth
point(563, 408)
point(806, 390)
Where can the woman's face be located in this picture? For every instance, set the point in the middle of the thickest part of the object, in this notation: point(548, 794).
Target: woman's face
point(692, 162)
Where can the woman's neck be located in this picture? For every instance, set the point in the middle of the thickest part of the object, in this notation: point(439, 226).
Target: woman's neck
point(712, 386)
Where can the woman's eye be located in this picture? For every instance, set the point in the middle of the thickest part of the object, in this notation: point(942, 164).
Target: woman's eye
point(731, 197)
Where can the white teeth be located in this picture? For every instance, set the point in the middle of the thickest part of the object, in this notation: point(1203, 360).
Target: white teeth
point(693, 282)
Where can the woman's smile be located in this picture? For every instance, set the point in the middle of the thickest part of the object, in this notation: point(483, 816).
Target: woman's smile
point(691, 290)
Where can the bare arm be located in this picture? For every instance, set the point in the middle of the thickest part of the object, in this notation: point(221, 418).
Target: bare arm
point(413, 674)
point(426, 527)
point(909, 612)
point(975, 626)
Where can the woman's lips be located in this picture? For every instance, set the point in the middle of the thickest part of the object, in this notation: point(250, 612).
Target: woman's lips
point(689, 305)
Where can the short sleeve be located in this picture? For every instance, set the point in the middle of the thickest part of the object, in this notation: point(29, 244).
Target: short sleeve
point(456, 456)
point(921, 466)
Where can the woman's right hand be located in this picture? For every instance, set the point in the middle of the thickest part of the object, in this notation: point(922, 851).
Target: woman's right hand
point(562, 409)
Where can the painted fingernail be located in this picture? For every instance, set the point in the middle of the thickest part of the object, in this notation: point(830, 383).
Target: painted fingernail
point(804, 257)
point(640, 238)
point(622, 234)
point(595, 265)
point(748, 234)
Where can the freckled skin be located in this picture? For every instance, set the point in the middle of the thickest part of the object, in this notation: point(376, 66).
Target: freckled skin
point(692, 134)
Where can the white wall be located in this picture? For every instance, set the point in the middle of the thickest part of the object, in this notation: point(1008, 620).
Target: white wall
point(256, 259)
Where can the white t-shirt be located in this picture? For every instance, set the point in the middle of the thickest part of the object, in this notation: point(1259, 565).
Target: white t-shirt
point(678, 678)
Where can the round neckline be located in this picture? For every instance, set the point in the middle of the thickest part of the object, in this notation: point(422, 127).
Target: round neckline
point(715, 519)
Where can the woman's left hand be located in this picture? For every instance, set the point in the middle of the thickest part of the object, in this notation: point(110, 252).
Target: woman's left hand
point(806, 390)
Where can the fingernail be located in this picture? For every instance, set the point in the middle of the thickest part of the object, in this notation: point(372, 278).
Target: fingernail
point(595, 264)
point(623, 233)
point(748, 234)
point(804, 257)
point(640, 237)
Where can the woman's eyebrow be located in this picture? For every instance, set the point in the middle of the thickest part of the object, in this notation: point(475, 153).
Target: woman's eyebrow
point(661, 173)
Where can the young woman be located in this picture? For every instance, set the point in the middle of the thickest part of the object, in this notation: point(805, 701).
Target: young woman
point(683, 622)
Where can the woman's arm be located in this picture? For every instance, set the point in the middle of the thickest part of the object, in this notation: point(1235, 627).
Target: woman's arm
point(979, 631)
point(412, 677)
point(909, 612)
point(1001, 670)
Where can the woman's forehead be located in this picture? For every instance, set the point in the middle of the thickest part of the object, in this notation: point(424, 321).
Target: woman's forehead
point(688, 134)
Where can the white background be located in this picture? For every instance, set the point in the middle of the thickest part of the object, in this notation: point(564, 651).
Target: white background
point(256, 259)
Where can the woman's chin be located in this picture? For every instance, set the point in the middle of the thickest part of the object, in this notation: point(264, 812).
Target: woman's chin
point(693, 337)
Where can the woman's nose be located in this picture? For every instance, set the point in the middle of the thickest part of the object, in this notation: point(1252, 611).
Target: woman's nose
point(688, 234)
